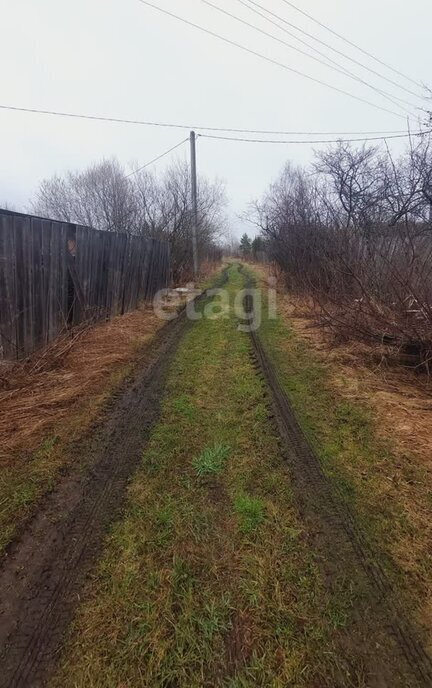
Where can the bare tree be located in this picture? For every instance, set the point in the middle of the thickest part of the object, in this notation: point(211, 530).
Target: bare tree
point(105, 197)
point(356, 179)
point(101, 196)
point(355, 234)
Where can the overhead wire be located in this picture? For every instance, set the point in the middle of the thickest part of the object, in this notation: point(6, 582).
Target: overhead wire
point(332, 48)
point(317, 141)
point(268, 59)
point(351, 43)
point(342, 71)
point(159, 157)
point(173, 125)
point(338, 65)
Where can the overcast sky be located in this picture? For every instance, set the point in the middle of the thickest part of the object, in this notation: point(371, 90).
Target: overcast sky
point(123, 59)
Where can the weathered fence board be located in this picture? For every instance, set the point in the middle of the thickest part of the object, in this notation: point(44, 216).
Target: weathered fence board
point(55, 274)
point(8, 305)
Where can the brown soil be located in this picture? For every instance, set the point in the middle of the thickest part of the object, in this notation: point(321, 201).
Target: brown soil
point(239, 641)
point(43, 574)
point(400, 399)
point(46, 391)
point(42, 578)
point(401, 396)
point(401, 403)
point(393, 649)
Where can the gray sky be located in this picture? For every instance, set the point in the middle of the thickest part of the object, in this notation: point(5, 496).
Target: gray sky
point(123, 59)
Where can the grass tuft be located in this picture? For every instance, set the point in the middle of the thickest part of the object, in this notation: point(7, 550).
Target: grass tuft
point(250, 511)
point(212, 460)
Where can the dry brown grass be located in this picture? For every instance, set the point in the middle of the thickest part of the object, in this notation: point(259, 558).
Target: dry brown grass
point(401, 396)
point(399, 399)
point(54, 398)
point(401, 404)
point(41, 395)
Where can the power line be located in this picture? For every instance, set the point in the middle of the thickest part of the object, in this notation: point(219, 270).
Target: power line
point(98, 118)
point(171, 125)
point(351, 43)
point(339, 52)
point(337, 68)
point(315, 50)
point(309, 142)
point(268, 59)
point(162, 155)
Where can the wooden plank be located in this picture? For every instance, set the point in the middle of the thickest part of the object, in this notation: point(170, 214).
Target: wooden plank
point(58, 280)
point(53, 326)
point(46, 263)
point(37, 284)
point(82, 271)
point(77, 288)
point(100, 275)
point(153, 268)
point(62, 287)
point(119, 246)
point(135, 270)
point(19, 225)
point(110, 274)
point(145, 265)
point(126, 276)
point(4, 305)
point(7, 289)
point(96, 266)
point(129, 276)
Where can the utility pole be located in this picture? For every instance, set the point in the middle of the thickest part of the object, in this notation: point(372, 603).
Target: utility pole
point(194, 191)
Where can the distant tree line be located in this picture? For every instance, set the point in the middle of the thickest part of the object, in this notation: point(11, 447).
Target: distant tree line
point(353, 233)
point(251, 249)
point(105, 196)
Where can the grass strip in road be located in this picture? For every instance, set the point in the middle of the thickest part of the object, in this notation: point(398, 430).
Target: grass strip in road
point(209, 579)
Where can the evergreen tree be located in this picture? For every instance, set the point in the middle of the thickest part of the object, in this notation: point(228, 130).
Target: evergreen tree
point(245, 246)
point(257, 247)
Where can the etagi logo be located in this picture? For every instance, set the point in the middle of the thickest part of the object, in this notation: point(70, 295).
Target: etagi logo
point(246, 304)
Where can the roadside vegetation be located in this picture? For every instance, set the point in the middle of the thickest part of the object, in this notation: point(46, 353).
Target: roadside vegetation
point(51, 400)
point(142, 203)
point(352, 234)
point(386, 484)
point(210, 578)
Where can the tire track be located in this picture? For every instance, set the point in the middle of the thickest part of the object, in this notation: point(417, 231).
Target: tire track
point(339, 538)
point(46, 569)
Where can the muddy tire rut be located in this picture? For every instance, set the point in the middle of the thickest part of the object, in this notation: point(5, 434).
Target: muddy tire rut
point(44, 571)
point(392, 646)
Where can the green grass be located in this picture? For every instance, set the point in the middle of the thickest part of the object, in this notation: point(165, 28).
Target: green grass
point(211, 460)
point(211, 582)
point(250, 511)
point(25, 477)
point(361, 464)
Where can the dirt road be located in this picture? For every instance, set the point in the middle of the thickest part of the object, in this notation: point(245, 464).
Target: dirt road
point(234, 560)
point(44, 571)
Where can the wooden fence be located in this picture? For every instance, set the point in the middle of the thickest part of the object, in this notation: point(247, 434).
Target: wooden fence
point(54, 275)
